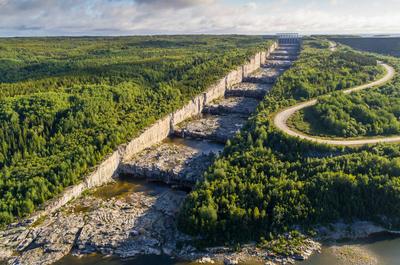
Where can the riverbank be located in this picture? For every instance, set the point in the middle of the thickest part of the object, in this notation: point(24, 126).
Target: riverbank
point(379, 249)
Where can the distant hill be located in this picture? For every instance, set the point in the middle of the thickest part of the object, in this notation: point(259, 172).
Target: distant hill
point(387, 46)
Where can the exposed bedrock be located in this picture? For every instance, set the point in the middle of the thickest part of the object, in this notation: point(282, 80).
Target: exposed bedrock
point(282, 64)
point(45, 244)
point(247, 89)
point(173, 162)
point(136, 224)
point(264, 75)
point(283, 57)
point(282, 52)
point(217, 128)
point(240, 105)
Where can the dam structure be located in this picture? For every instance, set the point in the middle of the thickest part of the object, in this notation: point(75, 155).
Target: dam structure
point(194, 143)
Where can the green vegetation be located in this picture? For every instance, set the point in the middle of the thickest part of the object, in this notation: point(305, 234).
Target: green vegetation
point(368, 113)
point(386, 46)
point(374, 112)
point(267, 182)
point(285, 245)
point(68, 102)
point(323, 72)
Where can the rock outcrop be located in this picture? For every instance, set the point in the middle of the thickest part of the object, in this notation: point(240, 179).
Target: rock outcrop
point(217, 128)
point(136, 224)
point(250, 90)
point(174, 164)
point(238, 105)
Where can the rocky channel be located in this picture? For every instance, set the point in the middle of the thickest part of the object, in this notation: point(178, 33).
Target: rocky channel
point(141, 221)
point(137, 223)
point(173, 162)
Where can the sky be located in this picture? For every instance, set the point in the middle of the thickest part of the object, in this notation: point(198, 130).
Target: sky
point(138, 17)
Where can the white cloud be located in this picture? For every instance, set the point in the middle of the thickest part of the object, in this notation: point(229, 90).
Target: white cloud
point(119, 17)
point(334, 2)
point(251, 5)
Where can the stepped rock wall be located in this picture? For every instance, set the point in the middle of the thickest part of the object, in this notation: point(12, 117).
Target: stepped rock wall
point(108, 169)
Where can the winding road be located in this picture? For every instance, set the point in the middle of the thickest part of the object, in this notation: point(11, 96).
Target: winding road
point(281, 118)
point(332, 46)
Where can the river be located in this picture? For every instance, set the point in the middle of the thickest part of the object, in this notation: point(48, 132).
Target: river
point(143, 260)
point(385, 249)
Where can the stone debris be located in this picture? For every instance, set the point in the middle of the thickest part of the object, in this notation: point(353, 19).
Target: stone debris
point(355, 230)
point(285, 57)
point(353, 255)
point(171, 163)
point(138, 224)
point(211, 127)
point(264, 75)
point(231, 261)
point(251, 90)
point(239, 105)
point(282, 64)
point(205, 260)
point(49, 242)
point(284, 52)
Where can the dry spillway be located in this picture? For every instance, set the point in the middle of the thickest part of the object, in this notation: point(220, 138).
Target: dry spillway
point(179, 162)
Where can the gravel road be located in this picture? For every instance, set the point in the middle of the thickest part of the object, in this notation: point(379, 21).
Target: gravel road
point(280, 120)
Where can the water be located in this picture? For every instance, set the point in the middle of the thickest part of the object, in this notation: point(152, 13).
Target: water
point(203, 146)
point(385, 249)
point(125, 186)
point(100, 260)
point(142, 260)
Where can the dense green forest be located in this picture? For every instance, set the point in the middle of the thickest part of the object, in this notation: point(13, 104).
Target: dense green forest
point(372, 112)
point(267, 182)
point(325, 72)
point(368, 113)
point(68, 102)
point(386, 46)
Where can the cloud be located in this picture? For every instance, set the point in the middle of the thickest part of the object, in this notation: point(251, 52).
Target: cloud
point(252, 5)
point(127, 17)
point(334, 2)
point(175, 3)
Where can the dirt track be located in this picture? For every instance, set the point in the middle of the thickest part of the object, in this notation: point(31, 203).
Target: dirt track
point(280, 120)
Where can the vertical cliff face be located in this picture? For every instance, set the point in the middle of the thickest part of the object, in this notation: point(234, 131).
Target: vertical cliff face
point(105, 172)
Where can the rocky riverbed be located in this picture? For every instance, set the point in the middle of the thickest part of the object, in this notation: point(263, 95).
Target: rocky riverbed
point(218, 128)
point(137, 223)
point(172, 163)
point(250, 90)
point(239, 105)
point(124, 220)
point(353, 255)
point(264, 75)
